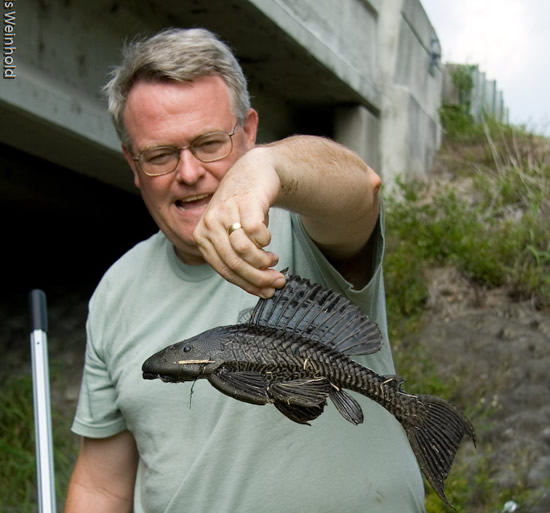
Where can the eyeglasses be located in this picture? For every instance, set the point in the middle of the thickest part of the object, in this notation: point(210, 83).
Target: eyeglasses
point(209, 147)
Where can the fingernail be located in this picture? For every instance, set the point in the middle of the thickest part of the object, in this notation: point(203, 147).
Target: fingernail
point(267, 293)
point(279, 282)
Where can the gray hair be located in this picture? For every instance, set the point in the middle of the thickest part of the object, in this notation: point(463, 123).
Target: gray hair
point(180, 55)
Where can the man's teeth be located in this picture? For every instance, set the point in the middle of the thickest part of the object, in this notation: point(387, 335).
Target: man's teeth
point(191, 199)
point(194, 198)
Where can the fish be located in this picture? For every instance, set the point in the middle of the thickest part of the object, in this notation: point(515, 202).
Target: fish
point(295, 352)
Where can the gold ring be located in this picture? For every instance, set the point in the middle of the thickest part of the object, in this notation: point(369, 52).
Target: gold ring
point(233, 227)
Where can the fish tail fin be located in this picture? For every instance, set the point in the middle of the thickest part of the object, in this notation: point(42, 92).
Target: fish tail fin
point(434, 437)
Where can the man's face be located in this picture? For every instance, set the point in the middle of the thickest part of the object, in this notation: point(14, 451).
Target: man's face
point(173, 114)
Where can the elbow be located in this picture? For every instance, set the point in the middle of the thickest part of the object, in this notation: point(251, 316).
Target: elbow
point(374, 181)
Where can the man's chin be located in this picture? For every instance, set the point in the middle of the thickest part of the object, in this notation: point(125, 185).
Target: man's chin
point(189, 255)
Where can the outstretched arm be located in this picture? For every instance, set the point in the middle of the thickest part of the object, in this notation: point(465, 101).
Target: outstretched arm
point(334, 191)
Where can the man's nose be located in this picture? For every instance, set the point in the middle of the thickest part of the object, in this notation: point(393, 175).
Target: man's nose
point(190, 169)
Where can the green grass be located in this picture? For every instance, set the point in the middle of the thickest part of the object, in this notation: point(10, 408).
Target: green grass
point(17, 450)
point(491, 223)
point(17, 479)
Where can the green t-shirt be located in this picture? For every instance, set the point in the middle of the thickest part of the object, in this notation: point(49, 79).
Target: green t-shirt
point(201, 451)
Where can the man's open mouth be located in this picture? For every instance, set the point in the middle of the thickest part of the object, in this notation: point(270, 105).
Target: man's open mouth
point(191, 202)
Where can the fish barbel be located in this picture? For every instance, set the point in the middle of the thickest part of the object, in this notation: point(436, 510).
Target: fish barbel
point(294, 353)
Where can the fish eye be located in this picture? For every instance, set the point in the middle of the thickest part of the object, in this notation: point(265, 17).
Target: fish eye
point(187, 348)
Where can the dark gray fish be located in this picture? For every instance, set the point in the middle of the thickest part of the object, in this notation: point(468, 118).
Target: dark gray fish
point(295, 353)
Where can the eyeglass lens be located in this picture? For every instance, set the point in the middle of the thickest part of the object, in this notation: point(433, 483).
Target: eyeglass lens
point(207, 148)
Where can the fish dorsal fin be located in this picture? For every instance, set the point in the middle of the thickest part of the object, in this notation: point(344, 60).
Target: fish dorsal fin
point(319, 314)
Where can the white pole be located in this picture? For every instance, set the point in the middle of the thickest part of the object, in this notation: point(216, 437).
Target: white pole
point(41, 397)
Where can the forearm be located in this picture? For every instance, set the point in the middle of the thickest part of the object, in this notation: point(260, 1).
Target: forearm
point(332, 189)
point(82, 498)
point(104, 476)
point(335, 192)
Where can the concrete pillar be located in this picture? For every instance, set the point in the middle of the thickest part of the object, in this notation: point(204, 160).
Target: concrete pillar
point(410, 130)
point(358, 129)
point(394, 159)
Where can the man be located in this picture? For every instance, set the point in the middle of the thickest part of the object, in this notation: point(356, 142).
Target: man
point(181, 108)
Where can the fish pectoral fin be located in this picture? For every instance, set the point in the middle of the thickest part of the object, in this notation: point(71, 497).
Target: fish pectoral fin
point(299, 414)
point(306, 392)
point(348, 407)
point(249, 387)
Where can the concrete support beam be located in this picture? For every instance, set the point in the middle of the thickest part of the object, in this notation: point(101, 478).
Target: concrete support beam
point(344, 63)
point(342, 35)
point(53, 121)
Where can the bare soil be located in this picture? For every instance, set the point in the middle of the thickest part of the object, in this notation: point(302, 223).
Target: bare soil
point(497, 352)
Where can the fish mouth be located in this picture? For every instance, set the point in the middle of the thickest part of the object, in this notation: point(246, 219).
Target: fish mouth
point(163, 377)
point(155, 368)
point(193, 202)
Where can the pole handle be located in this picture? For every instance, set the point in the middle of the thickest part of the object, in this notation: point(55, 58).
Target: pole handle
point(37, 304)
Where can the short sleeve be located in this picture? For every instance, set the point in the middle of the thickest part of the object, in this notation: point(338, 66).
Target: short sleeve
point(97, 414)
point(369, 295)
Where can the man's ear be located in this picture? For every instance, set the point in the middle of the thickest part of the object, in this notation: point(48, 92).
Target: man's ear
point(132, 164)
point(251, 128)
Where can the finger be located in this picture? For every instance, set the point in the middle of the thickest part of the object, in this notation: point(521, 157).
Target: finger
point(253, 265)
point(247, 249)
point(261, 283)
point(258, 232)
point(256, 279)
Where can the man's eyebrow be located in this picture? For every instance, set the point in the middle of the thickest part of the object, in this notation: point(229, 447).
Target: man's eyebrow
point(155, 146)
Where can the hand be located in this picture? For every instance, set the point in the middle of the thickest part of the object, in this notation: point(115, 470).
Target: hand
point(244, 196)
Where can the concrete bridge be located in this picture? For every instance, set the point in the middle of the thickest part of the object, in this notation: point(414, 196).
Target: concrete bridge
point(364, 72)
point(360, 71)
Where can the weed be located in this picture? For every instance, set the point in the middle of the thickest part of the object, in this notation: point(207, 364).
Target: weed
point(487, 218)
point(495, 231)
point(18, 469)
